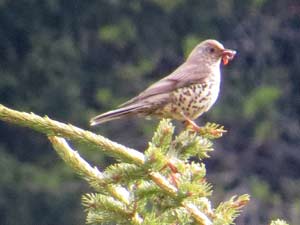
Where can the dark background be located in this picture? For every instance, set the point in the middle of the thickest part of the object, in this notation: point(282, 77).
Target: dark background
point(72, 59)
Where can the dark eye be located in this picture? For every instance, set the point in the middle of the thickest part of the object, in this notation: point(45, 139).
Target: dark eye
point(211, 50)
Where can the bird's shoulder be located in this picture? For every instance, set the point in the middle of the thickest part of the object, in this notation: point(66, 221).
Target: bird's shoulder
point(185, 75)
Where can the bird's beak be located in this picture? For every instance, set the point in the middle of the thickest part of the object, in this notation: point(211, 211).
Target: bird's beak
point(227, 55)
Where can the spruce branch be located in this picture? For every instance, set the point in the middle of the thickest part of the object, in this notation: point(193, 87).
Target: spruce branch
point(105, 208)
point(212, 130)
point(93, 176)
point(199, 216)
point(227, 211)
point(279, 222)
point(53, 128)
point(123, 173)
point(159, 187)
point(162, 138)
point(118, 203)
point(190, 144)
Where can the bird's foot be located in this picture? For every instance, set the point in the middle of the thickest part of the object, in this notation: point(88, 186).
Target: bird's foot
point(208, 130)
point(212, 130)
point(215, 133)
point(192, 126)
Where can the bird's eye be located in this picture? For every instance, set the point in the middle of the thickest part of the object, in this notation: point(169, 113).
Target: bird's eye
point(211, 50)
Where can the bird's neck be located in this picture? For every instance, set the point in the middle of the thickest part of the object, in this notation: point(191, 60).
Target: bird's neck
point(211, 68)
point(216, 71)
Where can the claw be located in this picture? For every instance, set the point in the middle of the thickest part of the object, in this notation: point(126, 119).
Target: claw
point(212, 132)
point(192, 126)
point(217, 132)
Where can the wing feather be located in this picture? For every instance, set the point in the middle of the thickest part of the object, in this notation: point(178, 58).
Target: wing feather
point(184, 75)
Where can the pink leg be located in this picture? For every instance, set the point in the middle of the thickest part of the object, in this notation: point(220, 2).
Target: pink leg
point(190, 124)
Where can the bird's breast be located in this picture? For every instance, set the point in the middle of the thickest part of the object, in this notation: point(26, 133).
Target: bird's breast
point(190, 101)
point(214, 84)
point(193, 100)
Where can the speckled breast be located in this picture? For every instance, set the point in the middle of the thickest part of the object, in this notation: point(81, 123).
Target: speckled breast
point(191, 101)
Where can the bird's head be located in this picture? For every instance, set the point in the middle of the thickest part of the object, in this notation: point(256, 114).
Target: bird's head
point(211, 52)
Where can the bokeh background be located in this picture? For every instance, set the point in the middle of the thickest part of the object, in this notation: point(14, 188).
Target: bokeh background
point(72, 59)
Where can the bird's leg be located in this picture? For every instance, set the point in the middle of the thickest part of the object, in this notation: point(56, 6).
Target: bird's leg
point(191, 125)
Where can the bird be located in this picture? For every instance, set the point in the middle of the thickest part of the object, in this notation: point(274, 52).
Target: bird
point(185, 94)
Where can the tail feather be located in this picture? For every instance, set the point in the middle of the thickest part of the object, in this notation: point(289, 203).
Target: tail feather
point(116, 114)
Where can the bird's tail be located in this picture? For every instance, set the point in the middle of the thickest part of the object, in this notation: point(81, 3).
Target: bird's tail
point(116, 114)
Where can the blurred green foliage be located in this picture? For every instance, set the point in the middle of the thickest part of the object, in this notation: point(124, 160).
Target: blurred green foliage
point(260, 100)
point(118, 34)
point(74, 59)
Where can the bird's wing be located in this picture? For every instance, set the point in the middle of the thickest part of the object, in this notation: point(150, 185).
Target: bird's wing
point(184, 75)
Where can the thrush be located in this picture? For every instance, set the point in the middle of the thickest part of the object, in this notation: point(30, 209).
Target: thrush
point(185, 94)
